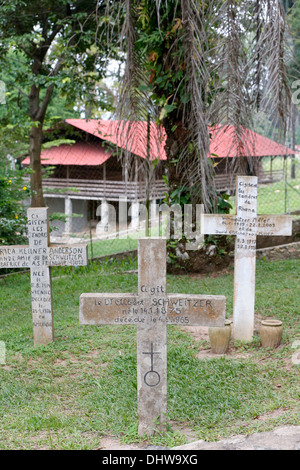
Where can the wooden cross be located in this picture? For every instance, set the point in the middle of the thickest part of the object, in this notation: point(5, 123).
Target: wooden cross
point(151, 310)
point(246, 225)
point(39, 256)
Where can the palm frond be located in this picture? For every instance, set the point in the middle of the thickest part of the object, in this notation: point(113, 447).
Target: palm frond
point(234, 56)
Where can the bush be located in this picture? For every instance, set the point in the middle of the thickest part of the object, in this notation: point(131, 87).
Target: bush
point(13, 190)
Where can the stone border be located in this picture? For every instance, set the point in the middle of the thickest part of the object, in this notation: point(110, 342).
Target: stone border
point(270, 242)
point(288, 251)
point(118, 256)
point(282, 438)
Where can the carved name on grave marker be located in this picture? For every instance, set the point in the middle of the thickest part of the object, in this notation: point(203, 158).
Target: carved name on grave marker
point(151, 310)
point(246, 225)
point(39, 256)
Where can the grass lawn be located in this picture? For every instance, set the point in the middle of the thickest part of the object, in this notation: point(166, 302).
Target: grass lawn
point(69, 394)
point(118, 245)
point(273, 198)
point(112, 246)
point(277, 198)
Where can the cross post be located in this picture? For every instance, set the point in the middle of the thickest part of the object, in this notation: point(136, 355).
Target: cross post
point(151, 310)
point(246, 225)
point(39, 256)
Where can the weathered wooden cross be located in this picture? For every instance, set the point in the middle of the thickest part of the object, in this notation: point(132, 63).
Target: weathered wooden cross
point(246, 225)
point(39, 256)
point(151, 310)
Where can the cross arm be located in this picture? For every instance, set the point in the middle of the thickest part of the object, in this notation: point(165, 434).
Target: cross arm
point(219, 224)
point(196, 310)
point(17, 256)
point(280, 225)
point(64, 255)
point(227, 224)
point(131, 309)
point(110, 309)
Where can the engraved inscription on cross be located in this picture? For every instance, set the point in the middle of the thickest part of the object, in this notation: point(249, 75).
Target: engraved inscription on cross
point(39, 256)
point(151, 310)
point(246, 225)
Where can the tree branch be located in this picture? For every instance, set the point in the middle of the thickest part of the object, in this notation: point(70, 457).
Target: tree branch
point(22, 93)
point(58, 66)
point(43, 108)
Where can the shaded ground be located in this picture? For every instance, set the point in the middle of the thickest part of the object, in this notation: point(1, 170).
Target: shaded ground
point(213, 257)
point(218, 253)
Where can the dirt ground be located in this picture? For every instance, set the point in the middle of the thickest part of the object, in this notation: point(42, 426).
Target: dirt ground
point(212, 258)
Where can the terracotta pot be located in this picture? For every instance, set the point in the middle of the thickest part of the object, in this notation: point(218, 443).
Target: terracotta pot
point(270, 333)
point(219, 337)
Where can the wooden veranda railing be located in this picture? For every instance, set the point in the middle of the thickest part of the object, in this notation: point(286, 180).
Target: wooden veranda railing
point(100, 189)
point(116, 190)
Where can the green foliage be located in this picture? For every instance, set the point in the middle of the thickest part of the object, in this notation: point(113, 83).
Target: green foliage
point(14, 114)
point(51, 59)
point(13, 191)
point(223, 206)
point(294, 23)
point(166, 76)
point(68, 394)
point(57, 143)
point(293, 19)
point(182, 195)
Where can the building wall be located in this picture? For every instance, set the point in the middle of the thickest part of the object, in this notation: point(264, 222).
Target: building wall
point(79, 209)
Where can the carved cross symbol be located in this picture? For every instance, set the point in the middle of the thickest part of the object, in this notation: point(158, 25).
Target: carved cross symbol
point(151, 310)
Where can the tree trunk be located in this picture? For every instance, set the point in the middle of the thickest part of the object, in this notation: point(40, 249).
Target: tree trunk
point(174, 143)
point(293, 167)
point(37, 114)
point(37, 198)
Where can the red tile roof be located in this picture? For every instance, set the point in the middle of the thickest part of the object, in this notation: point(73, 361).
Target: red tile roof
point(117, 132)
point(223, 143)
point(80, 153)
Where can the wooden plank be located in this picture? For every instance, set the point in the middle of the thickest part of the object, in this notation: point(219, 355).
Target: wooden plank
point(113, 190)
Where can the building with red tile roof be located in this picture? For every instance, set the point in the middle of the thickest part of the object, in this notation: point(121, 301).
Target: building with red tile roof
point(89, 170)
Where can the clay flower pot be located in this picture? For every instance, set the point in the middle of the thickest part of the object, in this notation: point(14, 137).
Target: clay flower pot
point(219, 337)
point(270, 333)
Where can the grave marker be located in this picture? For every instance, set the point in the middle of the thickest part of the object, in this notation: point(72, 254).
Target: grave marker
point(39, 256)
point(151, 310)
point(246, 225)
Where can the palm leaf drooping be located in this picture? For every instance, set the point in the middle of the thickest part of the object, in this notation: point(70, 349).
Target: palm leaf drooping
point(192, 64)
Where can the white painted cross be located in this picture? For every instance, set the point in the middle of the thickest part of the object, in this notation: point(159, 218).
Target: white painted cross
point(151, 310)
point(246, 225)
point(39, 256)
